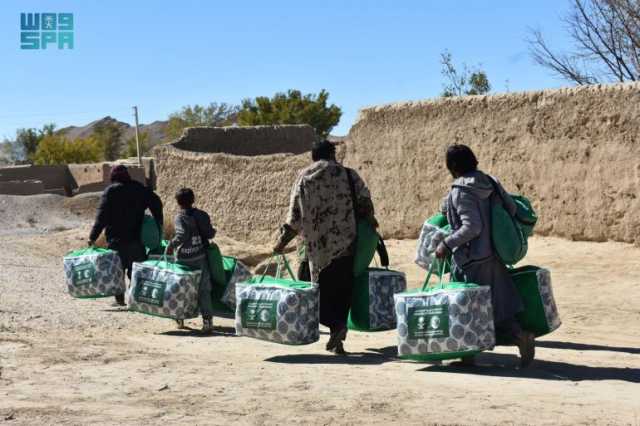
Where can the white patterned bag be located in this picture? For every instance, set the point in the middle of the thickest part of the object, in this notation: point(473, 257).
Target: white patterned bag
point(93, 272)
point(240, 274)
point(164, 289)
point(430, 237)
point(278, 310)
point(372, 307)
point(453, 320)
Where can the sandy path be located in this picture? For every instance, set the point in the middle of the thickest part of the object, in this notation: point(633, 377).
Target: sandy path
point(66, 361)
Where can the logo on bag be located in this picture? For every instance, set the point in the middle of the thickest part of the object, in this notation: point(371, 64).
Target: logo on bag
point(84, 274)
point(435, 323)
point(428, 322)
point(259, 314)
point(149, 292)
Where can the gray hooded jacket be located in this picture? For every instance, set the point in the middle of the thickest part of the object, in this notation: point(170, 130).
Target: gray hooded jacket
point(193, 232)
point(468, 211)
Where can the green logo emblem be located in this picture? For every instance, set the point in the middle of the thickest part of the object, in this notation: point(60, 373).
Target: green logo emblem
point(260, 314)
point(84, 274)
point(150, 292)
point(427, 322)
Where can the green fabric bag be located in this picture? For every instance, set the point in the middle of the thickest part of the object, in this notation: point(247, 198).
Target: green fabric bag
point(366, 243)
point(525, 214)
point(150, 234)
point(446, 321)
point(509, 241)
point(372, 306)
point(438, 220)
point(219, 308)
point(216, 265)
point(224, 295)
point(509, 233)
point(540, 314)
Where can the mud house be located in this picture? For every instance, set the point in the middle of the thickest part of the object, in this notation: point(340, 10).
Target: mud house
point(68, 179)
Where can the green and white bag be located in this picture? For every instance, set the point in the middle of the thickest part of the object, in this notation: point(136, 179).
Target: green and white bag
point(93, 272)
point(164, 289)
point(372, 307)
point(235, 272)
point(431, 235)
point(450, 320)
point(540, 314)
point(278, 310)
point(224, 296)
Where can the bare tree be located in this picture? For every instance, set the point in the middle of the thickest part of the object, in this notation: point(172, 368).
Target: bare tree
point(606, 36)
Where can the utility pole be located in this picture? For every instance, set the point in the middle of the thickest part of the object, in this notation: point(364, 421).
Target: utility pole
point(135, 114)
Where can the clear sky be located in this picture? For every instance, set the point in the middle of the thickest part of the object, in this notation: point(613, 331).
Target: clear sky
point(162, 55)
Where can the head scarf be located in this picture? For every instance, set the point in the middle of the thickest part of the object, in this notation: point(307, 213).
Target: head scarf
point(120, 174)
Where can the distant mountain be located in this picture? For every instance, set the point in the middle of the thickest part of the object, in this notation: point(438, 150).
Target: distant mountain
point(156, 130)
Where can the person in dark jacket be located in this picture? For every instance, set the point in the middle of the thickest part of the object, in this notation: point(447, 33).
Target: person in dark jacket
point(468, 211)
point(193, 232)
point(120, 215)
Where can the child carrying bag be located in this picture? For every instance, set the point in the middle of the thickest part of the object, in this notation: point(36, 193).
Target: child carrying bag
point(93, 272)
point(278, 310)
point(446, 321)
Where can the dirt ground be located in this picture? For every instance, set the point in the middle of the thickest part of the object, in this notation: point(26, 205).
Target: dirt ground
point(68, 361)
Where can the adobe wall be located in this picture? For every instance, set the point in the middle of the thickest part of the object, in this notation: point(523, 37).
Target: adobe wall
point(249, 141)
point(53, 178)
point(574, 152)
point(246, 197)
point(242, 176)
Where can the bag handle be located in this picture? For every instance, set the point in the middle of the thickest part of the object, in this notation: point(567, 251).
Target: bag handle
point(278, 267)
point(383, 254)
point(440, 274)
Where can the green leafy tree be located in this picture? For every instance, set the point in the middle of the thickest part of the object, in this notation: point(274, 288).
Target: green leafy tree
point(213, 115)
point(57, 149)
point(132, 148)
point(291, 108)
point(27, 140)
point(108, 134)
point(462, 82)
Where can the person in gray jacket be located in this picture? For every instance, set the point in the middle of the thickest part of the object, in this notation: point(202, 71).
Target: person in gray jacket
point(468, 211)
point(193, 232)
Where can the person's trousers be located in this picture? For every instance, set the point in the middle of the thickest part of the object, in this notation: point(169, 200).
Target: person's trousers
point(304, 272)
point(504, 297)
point(130, 252)
point(205, 291)
point(336, 288)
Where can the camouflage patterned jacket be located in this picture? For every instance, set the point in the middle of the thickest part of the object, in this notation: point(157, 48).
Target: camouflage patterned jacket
point(321, 210)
